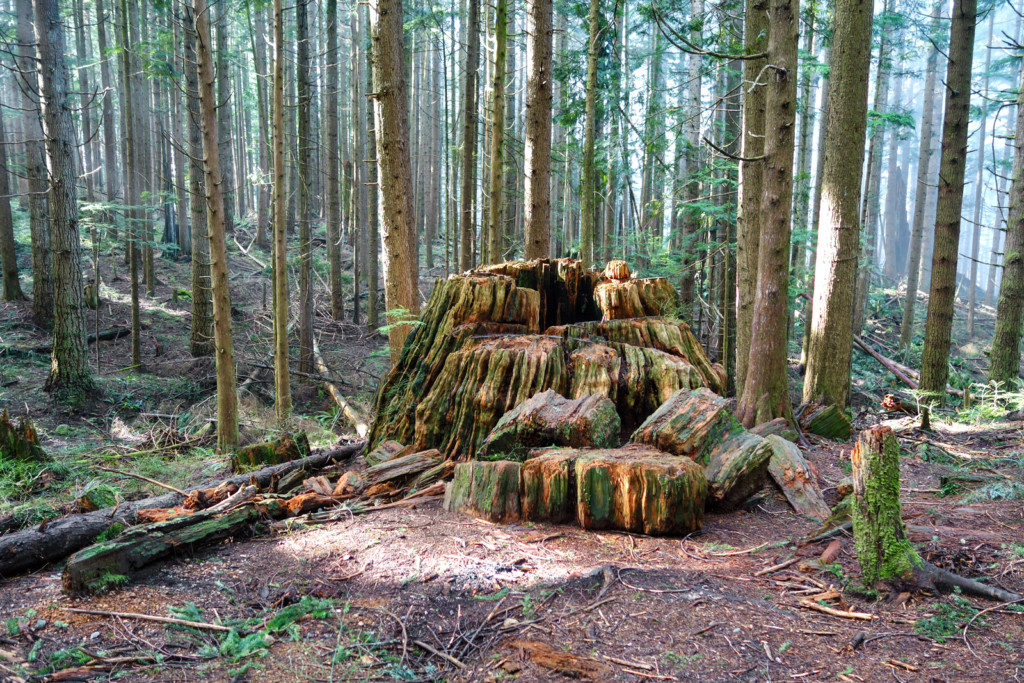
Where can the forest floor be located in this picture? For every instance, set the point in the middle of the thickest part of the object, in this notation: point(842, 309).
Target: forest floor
point(415, 594)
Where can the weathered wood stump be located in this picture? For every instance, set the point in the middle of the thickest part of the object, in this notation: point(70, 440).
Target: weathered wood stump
point(636, 488)
point(689, 423)
point(827, 421)
point(550, 419)
point(491, 338)
point(21, 441)
point(883, 551)
point(622, 299)
point(795, 477)
point(274, 452)
point(487, 489)
point(736, 470)
point(385, 451)
point(548, 486)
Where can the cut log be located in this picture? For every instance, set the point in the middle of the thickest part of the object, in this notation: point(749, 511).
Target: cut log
point(549, 486)
point(827, 421)
point(795, 477)
point(109, 564)
point(478, 352)
point(487, 489)
point(401, 469)
point(636, 488)
point(617, 270)
point(736, 470)
point(283, 449)
point(385, 451)
point(634, 298)
point(690, 423)
point(19, 442)
point(33, 548)
point(550, 419)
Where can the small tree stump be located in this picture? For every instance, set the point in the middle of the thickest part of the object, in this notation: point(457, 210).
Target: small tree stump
point(549, 486)
point(736, 470)
point(487, 489)
point(638, 489)
point(883, 551)
point(690, 423)
point(274, 452)
point(827, 421)
point(19, 442)
point(795, 477)
point(550, 419)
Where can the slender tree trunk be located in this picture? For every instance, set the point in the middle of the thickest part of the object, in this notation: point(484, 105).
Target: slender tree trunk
point(434, 159)
point(1005, 357)
point(35, 169)
point(70, 375)
point(224, 133)
point(181, 190)
point(469, 135)
point(259, 57)
point(537, 193)
point(691, 215)
point(390, 106)
point(132, 173)
point(588, 185)
point(894, 221)
point(979, 183)
point(373, 237)
point(924, 162)
point(939, 323)
point(333, 183)
point(802, 191)
point(8, 256)
point(358, 196)
point(827, 379)
point(111, 176)
point(305, 177)
point(496, 181)
point(765, 392)
point(282, 388)
point(751, 181)
point(227, 399)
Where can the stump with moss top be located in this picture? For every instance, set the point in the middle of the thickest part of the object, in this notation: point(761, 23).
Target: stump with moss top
point(19, 441)
point(274, 452)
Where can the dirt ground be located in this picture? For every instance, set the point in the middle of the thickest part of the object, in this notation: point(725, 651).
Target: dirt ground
point(414, 593)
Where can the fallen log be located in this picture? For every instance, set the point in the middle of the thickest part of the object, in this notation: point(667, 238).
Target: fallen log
point(107, 335)
point(350, 413)
point(902, 372)
point(795, 477)
point(285, 448)
point(736, 470)
point(30, 549)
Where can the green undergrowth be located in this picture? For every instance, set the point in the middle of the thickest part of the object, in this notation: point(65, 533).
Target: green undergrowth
point(948, 619)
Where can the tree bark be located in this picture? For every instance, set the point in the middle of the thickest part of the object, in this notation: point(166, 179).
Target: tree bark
point(332, 152)
point(305, 186)
point(588, 185)
point(537, 192)
point(979, 183)
point(390, 106)
point(469, 134)
point(827, 380)
point(8, 257)
point(691, 190)
point(939, 323)
point(111, 177)
point(227, 399)
point(282, 389)
point(496, 181)
point(765, 391)
point(224, 97)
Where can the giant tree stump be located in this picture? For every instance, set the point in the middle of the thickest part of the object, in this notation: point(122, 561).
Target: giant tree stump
point(491, 338)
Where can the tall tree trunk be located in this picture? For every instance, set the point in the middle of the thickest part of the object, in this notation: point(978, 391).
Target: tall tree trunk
point(588, 185)
point(939, 323)
point(70, 375)
point(691, 215)
point(132, 173)
point(751, 181)
point(496, 181)
point(184, 225)
point(924, 162)
point(765, 391)
point(357, 199)
point(333, 182)
point(432, 209)
point(894, 221)
point(979, 183)
point(259, 58)
point(469, 135)
point(201, 329)
point(227, 399)
point(373, 237)
point(827, 379)
point(224, 133)
point(35, 169)
point(138, 35)
point(282, 388)
point(802, 180)
point(305, 175)
point(1005, 357)
point(8, 257)
point(390, 106)
point(537, 192)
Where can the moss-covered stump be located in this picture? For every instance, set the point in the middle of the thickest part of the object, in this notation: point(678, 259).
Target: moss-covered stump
point(883, 551)
point(636, 488)
point(689, 423)
point(550, 419)
point(635, 298)
point(21, 441)
point(737, 469)
point(274, 452)
point(827, 421)
point(548, 486)
point(480, 352)
point(796, 478)
point(487, 489)
point(113, 563)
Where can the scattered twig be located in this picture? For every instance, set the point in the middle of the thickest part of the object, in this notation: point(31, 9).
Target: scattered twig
point(776, 567)
point(438, 653)
point(837, 612)
point(150, 617)
point(139, 476)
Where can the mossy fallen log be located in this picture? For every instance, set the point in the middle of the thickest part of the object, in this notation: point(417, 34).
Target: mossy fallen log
point(550, 419)
point(827, 421)
point(548, 486)
point(690, 423)
point(112, 563)
point(796, 478)
point(285, 448)
point(737, 469)
point(636, 488)
point(479, 351)
point(487, 489)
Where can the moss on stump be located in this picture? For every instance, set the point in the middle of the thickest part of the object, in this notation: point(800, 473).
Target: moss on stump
point(21, 441)
point(487, 489)
point(827, 421)
point(548, 486)
point(274, 452)
point(689, 423)
point(736, 470)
